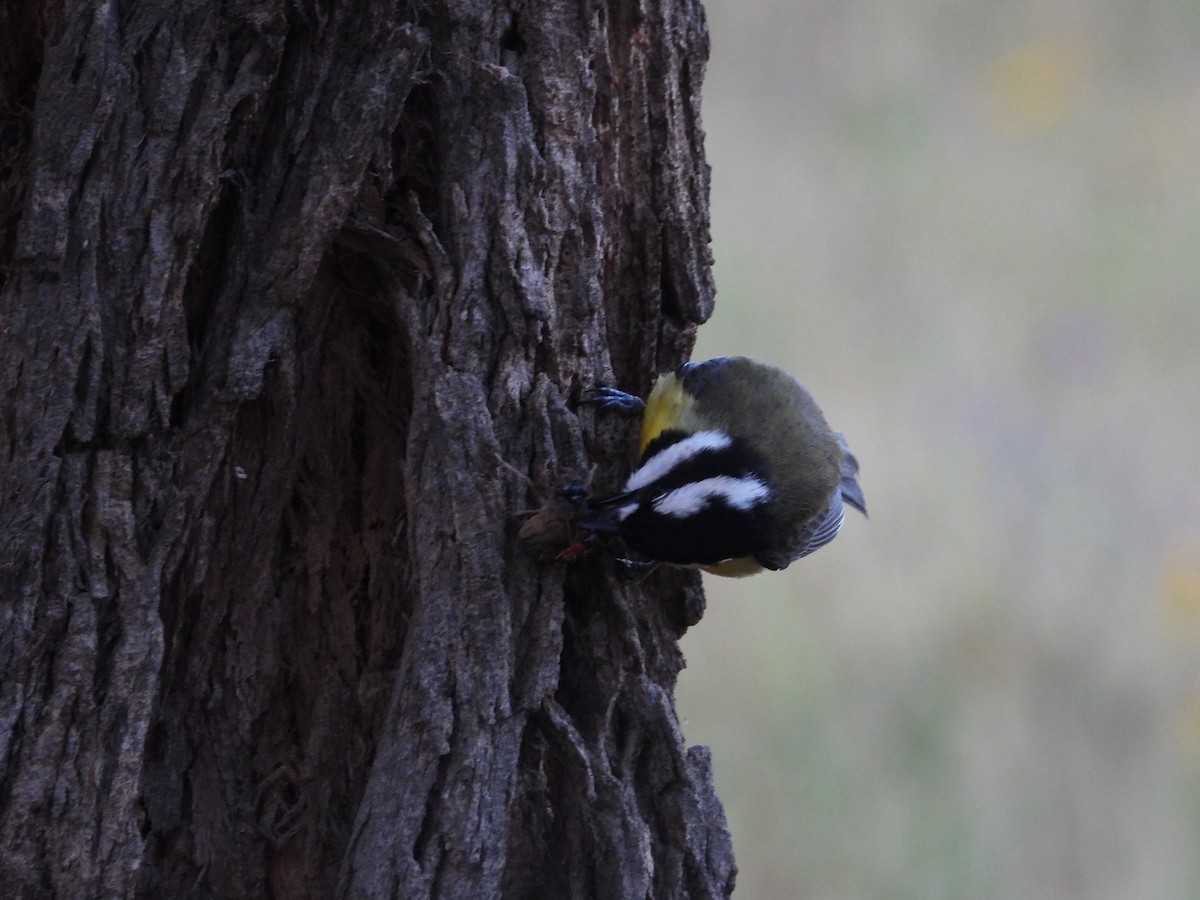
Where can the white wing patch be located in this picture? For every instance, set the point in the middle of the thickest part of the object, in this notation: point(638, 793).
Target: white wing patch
point(680, 452)
point(624, 512)
point(739, 493)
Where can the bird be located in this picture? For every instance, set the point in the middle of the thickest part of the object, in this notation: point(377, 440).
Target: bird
point(739, 471)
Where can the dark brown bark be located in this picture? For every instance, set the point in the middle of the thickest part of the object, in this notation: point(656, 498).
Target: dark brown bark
point(284, 286)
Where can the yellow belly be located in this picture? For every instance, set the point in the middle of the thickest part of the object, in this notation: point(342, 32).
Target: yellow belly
point(735, 568)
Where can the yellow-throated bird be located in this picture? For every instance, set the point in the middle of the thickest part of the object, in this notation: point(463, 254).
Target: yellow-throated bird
point(739, 471)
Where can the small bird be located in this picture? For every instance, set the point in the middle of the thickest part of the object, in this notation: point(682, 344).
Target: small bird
point(739, 471)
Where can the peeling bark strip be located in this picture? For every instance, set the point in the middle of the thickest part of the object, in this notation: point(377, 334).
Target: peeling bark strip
point(282, 284)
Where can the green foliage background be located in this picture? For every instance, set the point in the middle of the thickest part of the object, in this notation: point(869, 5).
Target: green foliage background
point(973, 230)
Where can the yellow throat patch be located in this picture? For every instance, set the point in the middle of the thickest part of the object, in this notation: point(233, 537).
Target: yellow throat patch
point(668, 406)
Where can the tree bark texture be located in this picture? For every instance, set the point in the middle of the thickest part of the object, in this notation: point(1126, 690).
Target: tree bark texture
point(289, 289)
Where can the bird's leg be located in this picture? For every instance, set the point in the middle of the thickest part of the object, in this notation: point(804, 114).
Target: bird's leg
point(632, 569)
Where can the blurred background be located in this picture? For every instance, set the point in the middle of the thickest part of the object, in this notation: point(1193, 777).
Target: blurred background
point(973, 230)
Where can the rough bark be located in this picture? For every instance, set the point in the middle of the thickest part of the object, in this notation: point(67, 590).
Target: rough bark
point(285, 288)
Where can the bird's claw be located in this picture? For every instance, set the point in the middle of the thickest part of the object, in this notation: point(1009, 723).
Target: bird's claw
point(613, 400)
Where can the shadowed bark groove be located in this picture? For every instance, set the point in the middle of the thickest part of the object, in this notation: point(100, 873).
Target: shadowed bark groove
point(286, 285)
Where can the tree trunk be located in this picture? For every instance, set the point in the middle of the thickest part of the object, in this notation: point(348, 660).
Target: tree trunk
point(287, 289)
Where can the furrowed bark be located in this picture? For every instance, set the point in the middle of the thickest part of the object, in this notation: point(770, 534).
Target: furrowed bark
point(289, 290)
